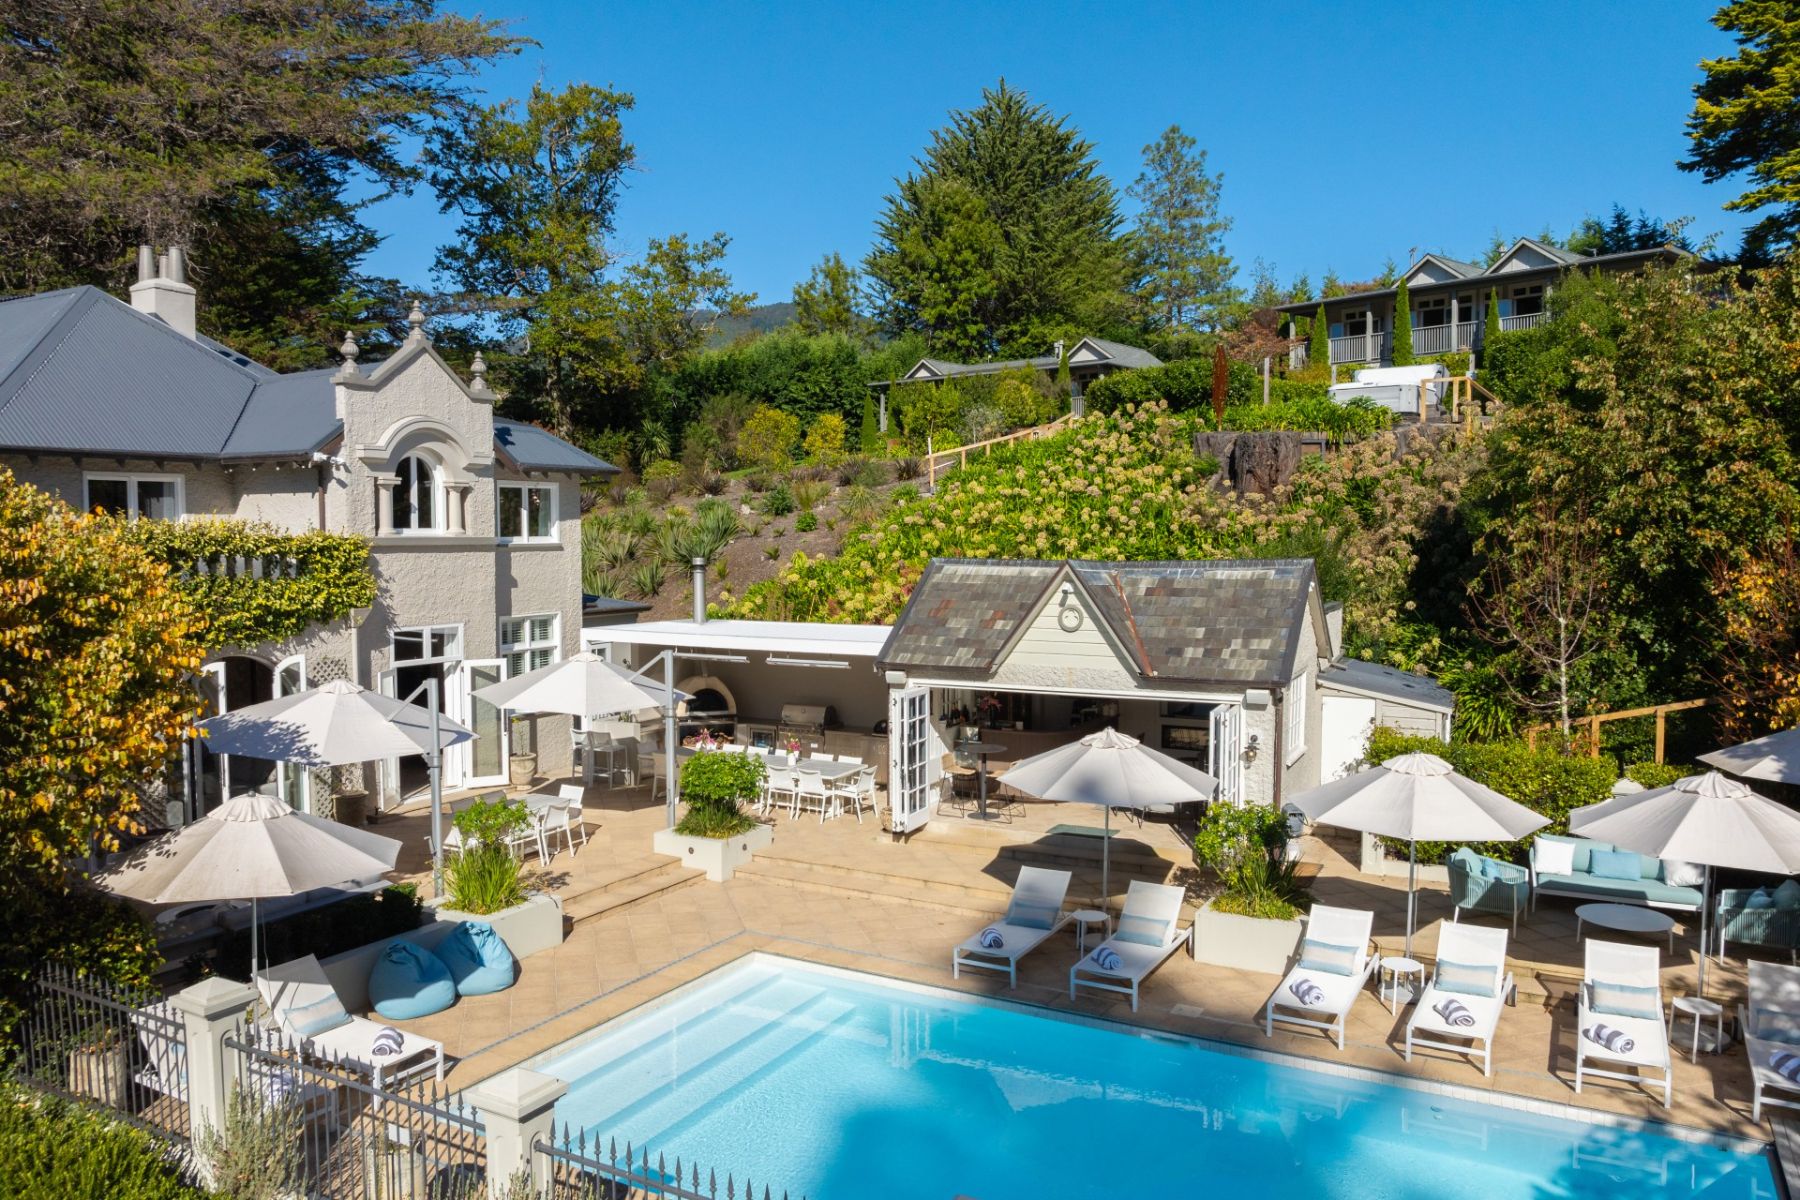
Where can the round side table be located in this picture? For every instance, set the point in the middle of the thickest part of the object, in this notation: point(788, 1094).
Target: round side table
point(1391, 971)
point(1698, 1011)
point(1083, 917)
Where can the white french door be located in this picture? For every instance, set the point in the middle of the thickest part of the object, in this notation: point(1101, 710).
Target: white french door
point(387, 777)
point(213, 676)
point(1226, 744)
point(482, 761)
point(913, 771)
point(293, 783)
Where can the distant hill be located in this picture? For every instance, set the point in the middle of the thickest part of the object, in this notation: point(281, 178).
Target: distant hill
point(762, 318)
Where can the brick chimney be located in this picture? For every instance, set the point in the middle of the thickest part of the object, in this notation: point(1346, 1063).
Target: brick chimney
point(162, 289)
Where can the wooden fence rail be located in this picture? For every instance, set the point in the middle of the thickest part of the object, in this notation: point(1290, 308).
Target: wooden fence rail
point(1591, 725)
point(961, 453)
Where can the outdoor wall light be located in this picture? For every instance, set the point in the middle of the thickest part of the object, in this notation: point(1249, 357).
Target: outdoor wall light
point(1251, 747)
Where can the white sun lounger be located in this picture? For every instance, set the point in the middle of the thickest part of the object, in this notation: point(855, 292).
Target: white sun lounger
point(1448, 1015)
point(1319, 997)
point(1771, 1023)
point(1644, 1041)
point(301, 984)
point(1038, 900)
point(165, 1067)
point(1149, 931)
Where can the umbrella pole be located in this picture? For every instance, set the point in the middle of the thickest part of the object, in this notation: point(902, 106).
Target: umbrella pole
point(253, 939)
point(1705, 903)
point(1412, 885)
point(434, 758)
point(1106, 861)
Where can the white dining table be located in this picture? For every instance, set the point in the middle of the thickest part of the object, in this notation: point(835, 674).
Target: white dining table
point(828, 768)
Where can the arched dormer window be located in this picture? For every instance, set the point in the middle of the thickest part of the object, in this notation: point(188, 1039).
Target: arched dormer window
point(417, 500)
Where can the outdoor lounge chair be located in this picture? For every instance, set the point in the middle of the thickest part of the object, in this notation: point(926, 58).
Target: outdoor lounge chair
point(1460, 1008)
point(1621, 977)
point(299, 991)
point(1771, 1024)
point(1148, 932)
point(1035, 913)
point(1331, 970)
point(164, 1073)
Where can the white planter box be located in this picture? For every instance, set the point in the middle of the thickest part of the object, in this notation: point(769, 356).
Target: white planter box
point(526, 929)
point(718, 857)
point(1246, 943)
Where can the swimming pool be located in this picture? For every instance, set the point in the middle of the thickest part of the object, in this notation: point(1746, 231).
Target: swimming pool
point(844, 1087)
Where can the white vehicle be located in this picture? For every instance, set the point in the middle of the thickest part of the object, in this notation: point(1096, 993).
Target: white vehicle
point(1394, 388)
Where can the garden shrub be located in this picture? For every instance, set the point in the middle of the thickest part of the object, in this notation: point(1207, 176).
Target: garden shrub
point(806, 522)
point(778, 501)
point(1245, 847)
point(1544, 780)
point(484, 878)
point(1656, 775)
point(768, 438)
point(54, 1149)
point(825, 440)
point(351, 922)
point(927, 412)
point(660, 478)
point(715, 785)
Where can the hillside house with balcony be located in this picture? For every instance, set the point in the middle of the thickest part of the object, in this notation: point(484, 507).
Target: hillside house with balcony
point(473, 520)
point(1449, 301)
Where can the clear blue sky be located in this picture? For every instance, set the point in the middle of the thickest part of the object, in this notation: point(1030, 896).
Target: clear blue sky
point(1347, 133)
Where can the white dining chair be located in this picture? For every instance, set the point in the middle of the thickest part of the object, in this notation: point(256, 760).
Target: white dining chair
point(530, 837)
point(853, 759)
point(778, 789)
point(554, 820)
point(855, 790)
point(810, 791)
point(574, 793)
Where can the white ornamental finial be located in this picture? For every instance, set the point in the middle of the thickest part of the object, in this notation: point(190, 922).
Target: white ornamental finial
point(479, 369)
point(349, 350)
point(416, 318)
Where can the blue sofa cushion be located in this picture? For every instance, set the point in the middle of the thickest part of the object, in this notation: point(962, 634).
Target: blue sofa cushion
point(1787, 896)
point(477, 958)
point(408, 981)
point(1616, 864)
point(1643, 891)
point(1760, 898)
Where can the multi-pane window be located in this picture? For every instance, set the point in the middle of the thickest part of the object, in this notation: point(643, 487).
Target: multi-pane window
point(1432, 312)
point(527, 512)
point(415, 501)
point(428, 643)
point(157, 497)
point(1294, 714)
point(1526, 300)
point(528, 643)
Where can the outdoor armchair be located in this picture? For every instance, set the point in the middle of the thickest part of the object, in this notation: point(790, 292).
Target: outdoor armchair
point(1772, 925)
point(1482, 884)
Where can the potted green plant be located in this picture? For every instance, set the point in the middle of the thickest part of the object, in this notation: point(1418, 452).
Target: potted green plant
point(715, 833)
point(484, 878)
point(1252, 919)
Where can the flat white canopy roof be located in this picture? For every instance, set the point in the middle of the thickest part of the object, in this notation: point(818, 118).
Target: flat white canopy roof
point(772, 637)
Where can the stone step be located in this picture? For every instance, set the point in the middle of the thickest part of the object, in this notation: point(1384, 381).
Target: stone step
point(977, 904)
point(624, 894)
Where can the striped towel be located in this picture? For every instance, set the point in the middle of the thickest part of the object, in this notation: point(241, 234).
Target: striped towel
point(1610, 1038)
point(1106, 958)
point(387, 1043)
point(990, 939)
point(1307, 992)
point(1786, 1064)
point(1454, 1012)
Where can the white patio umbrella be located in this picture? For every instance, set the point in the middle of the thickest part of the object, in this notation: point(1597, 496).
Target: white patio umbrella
point(1113, 770)
point(1774, 757)
point(251, 847)
point(338, 723)
point(1420, 798)
point(1706, 819)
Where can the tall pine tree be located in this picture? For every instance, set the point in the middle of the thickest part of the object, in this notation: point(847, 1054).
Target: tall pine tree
point(1185, 281)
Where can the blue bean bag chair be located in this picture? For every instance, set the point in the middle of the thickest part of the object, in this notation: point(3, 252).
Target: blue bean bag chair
point(410, 982)
point(477, 958)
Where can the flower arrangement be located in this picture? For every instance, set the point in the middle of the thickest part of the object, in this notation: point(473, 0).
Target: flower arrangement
point(792, 745)
point(989, 706)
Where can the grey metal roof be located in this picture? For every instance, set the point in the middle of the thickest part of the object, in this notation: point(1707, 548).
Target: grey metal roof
point(1118, 353)
point(82, 372)
point(1124, 355)
point(1373, 679)
point(537, 449)
point(1668, 253)
point(1226, 621)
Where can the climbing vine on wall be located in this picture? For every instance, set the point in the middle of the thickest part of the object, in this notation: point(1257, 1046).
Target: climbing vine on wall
point(256, 583)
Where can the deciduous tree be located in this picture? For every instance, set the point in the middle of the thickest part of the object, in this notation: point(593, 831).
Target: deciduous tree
point(829, 300)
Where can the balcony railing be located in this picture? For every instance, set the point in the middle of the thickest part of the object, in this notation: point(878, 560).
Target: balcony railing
point(1442, 339)
point(1361, 348)
point(1527, 321)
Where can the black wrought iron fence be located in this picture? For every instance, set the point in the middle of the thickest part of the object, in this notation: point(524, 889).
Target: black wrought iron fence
point(123, 1049)
point(577, 1167)
point(346, 1139)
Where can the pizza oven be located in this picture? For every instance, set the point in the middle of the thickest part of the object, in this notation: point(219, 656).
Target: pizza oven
point(710, 706)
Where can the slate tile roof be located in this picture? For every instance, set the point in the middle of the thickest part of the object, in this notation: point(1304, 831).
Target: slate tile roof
point(1234, 622)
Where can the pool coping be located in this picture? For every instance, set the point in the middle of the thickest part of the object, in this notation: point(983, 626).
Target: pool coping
point(1547, 1109)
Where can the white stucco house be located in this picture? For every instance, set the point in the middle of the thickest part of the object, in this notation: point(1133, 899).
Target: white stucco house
point(473, 520)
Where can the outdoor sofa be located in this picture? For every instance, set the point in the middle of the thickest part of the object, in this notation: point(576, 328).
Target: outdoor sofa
point(1759, 917)
point(1482, 884)
point(1589, 874)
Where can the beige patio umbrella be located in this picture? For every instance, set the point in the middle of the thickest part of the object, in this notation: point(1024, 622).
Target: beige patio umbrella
point(1774, 757)
point(1421, 798)
point(1113, 770)
point(1706, 819)
point(250, 847)
point(583, 685)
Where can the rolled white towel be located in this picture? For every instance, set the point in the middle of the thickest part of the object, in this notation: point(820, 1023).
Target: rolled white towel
point(387, 1043)
point(1106, 958)
point(1612, 1039)
point(1454, 1012)
point(990, 939)
point(1786, 1064)
point(1307, 992)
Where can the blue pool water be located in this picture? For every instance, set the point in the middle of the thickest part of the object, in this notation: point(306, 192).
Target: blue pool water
point(850, 1089)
